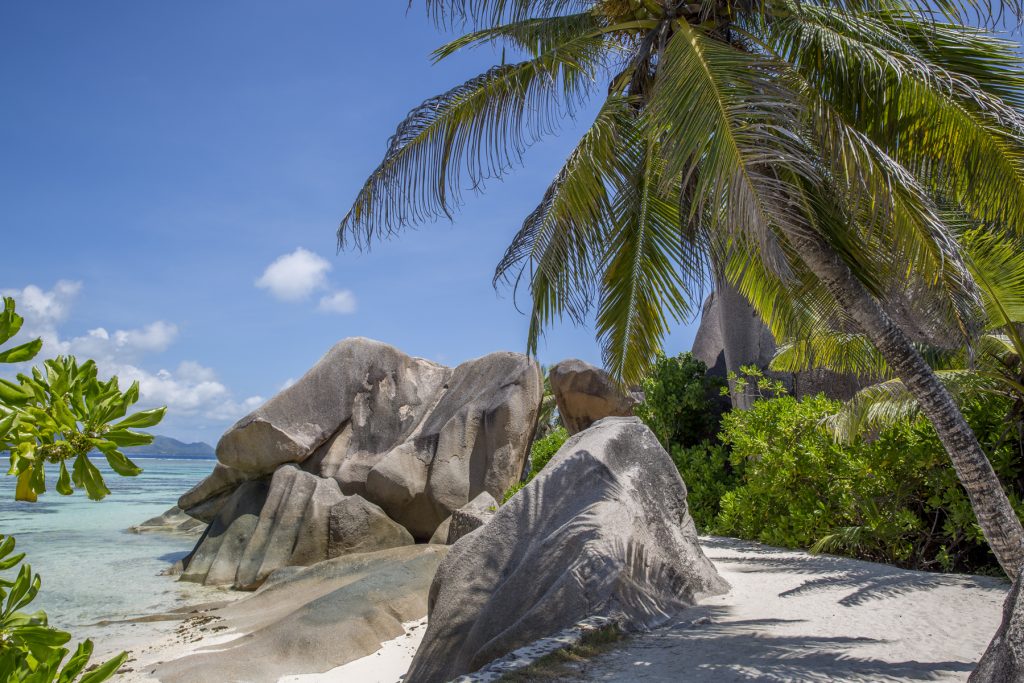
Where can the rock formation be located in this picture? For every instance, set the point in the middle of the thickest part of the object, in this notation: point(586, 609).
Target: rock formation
point(732, 335)
point(371, 441)
point(471, 516)
point(602, 530)
point(585, 394)
point(311, 620)
point(1003, 661)
point(173, 521)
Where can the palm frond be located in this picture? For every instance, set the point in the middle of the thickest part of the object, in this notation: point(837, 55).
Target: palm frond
point(642, 285)
point(730, 133)
point(485, 13)
point(887, 403)
point(997, 262)
point(560, 241)
point(958, 139)
point(472, 133)
point(533, 37)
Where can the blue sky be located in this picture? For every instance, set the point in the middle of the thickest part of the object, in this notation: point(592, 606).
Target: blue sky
point(157, 158)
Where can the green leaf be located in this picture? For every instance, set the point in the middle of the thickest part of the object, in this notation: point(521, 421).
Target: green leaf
point(86, 476)
point(125, 437)
point(76, 663)
point(24, 490)
point(24, 352)
point(64, 481)
point(120, 463)
point(42, 635)
point(142, 419)
point(13, 394)
point(10, 322)
point(105, 670)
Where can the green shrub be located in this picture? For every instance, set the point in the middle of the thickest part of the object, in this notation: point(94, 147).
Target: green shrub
point(893, 498)
point(709, 475)
point(540, 455)
point(683, 405)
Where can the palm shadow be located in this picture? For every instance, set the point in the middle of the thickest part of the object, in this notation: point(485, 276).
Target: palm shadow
point(866, 580)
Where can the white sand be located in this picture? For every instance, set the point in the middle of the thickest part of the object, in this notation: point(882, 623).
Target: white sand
point(789, 617)
point(386, 665)
point(797, 617)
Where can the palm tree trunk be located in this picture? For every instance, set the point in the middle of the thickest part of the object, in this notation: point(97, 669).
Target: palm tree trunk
point(998, 521)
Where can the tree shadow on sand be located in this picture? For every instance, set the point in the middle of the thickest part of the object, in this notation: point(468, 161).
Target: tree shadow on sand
point(704, 651)
point(867, 580)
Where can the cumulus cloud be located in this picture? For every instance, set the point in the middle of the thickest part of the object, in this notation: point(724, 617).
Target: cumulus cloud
point(190, 389)
point(343, 302)
point(294, 276)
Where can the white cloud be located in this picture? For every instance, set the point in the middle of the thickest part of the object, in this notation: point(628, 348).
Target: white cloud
point(190, 390)
point(294, 276)
point(51, 306)
point(343, 302)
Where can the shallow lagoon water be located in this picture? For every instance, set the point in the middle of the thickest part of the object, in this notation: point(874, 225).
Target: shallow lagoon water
point(92, 568)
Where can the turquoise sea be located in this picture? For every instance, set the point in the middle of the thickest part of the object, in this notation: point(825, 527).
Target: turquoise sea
point(92, 568)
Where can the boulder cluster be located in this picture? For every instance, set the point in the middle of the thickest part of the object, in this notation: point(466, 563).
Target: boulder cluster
point(370, 449)
point(378, 475)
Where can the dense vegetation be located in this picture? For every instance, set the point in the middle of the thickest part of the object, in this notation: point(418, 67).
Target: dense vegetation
point(777, 474)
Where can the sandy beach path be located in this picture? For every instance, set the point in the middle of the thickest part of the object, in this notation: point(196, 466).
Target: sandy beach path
point(798, 617)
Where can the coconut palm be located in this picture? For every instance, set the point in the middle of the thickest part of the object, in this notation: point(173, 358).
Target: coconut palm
point(798, 150)
point(993, 364)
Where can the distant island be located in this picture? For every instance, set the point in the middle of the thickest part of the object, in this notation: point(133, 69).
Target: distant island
point(166, 447)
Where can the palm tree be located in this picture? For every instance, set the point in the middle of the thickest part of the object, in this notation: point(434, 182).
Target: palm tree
point(993, 365)
point(800, 150)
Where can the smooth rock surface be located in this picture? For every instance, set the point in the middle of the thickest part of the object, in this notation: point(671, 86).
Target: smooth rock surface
point(293, 528)
point(173, 521)
point(311, 620)
point(215, 559)
point(441, 534)
point(622, 542)
point(471, 516)
point(732, 335)
point(265, 526)
point(1003, 661)
point(586, 394)
point(356, 525)
point(476, 438)
point(204, 500)
point(357, 378)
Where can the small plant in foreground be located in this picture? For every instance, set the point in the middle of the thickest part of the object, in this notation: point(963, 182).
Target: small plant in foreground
point(57, 414)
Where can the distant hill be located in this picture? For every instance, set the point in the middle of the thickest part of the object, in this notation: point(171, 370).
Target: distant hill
point(166, 447)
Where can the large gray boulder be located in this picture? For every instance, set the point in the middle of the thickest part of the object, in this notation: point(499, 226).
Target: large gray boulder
point(311, 620)
point(603, 530)
point(585, 394)
point(204, 500)
point(216, 557)
point(296, 520)
point(475, 439)
point(293, 528)
point(1003, 661)
point(471, 516)
point(732, 335)
point(415, 438)
point(358, 378)
point(355, 525)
